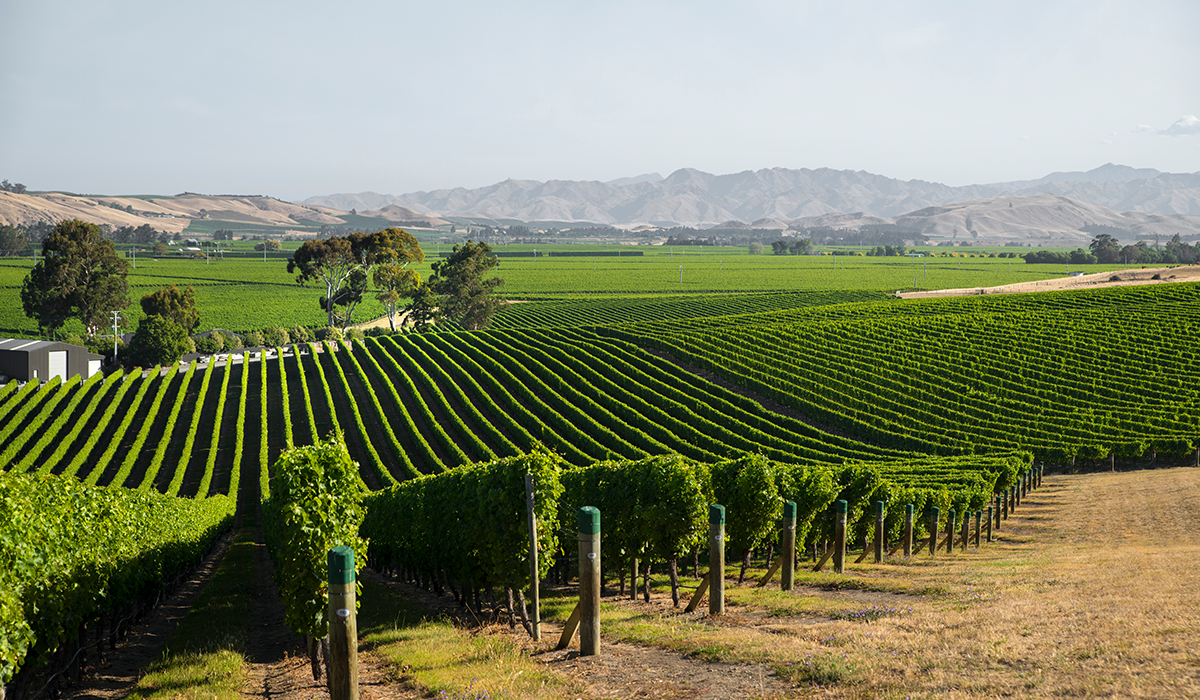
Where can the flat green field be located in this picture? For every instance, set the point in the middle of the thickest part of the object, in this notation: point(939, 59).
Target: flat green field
point(243, 294)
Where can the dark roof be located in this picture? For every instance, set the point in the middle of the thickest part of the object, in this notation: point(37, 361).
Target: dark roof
point(30, 345)
point(25, 344)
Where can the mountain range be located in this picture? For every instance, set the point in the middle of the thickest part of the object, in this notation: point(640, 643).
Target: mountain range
point(696, 198)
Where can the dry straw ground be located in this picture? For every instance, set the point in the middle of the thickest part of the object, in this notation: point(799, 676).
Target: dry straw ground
point(1091, 592)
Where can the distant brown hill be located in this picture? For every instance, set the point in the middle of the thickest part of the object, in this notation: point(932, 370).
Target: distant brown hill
point(399, 214)
point(171, 214)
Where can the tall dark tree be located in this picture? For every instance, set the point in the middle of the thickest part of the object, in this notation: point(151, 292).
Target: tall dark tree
point(78, 276)
point(158, 341)
point(12, 240)
point(465, 293)
point(1106, 248)
point(174, 303)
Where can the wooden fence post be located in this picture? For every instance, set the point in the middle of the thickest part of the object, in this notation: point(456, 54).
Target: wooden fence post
point(878, 532)
point(998, 499)
point(788, 578)
point(989, 524)
point(839, 536)
point(908, 530)
point(716, 559)
point(934, 516)
point(951, 530)
point(589, 581)
point(978, 529)
point(535, 624)
point(343, 626)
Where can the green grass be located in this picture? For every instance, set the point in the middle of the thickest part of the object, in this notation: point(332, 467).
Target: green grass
point(266, 295)
point(205, 656)
point(436, 656)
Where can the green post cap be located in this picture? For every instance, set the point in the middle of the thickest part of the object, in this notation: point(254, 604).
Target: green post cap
point(950, 513)
point(878, 507)
point(840, 505)
point(908, 510)
point(935, 511)
point(589, 520)
point(789, 509)
point(341, 565)
point(716, 514)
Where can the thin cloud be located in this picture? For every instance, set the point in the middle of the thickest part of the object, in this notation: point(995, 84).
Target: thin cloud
point(1187, 125)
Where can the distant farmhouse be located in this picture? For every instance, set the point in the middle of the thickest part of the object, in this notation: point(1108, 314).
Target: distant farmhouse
point(40, 360)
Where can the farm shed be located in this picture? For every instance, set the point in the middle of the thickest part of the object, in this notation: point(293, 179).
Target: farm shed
point(26, 360)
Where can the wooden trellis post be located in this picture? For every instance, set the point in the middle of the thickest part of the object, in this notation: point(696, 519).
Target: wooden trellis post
point(343, 626)
point(716, 559)
point(839, 536)
point(788, 577)
point(878, 532)
point(934, 516)
point(908, 530)
point(589, 581)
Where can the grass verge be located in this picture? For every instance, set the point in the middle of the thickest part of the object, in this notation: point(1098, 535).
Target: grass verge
point(205, 657)
point(438, 658)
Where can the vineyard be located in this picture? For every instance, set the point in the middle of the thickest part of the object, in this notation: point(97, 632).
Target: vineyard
point(242, 294)
point(628, 404)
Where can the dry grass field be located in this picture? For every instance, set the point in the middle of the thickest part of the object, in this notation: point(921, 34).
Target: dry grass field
point(1091, 590)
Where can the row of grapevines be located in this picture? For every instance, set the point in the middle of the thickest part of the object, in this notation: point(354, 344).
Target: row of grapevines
point(315, 504)
point(462, 441)
point(77, 391)
point(166, 434)
point(54, 392)
point(69, 552)
point(210, 464)
point(146, 420)
point(62, 441)
point(468, 522)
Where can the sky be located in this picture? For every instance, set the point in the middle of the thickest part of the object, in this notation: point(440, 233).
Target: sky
point(294, 99)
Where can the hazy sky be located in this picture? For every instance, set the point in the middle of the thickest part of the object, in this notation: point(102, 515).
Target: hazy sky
point(293, 99)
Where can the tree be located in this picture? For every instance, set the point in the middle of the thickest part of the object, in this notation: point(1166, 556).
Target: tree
point(270, 246)
point(398, 249)
point(335, 261)
point(1079, 256)
point(1106, 248)
point(347, 298)
point(79, 276)
point(158, 341)
point(464, 294)
point(174, 303)
point(422, 312)
point(144, 235)
point(160, 250)
point(12, 241)
point(800, 246)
